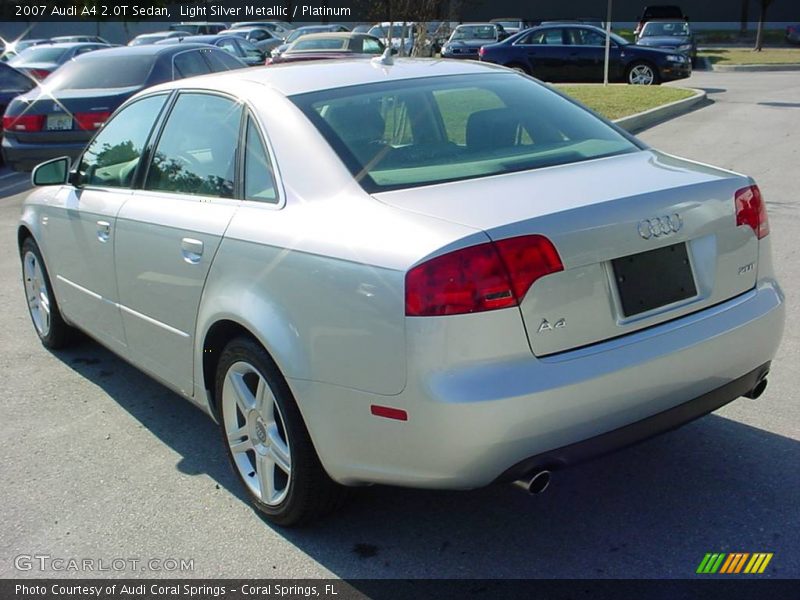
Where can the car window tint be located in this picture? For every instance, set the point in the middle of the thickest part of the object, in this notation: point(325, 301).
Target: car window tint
point(229, 46)
point(249, 49)
point(11, 80)
point(197, 149)
point(222, 61)
point(551, 37)
point(189, 64)
point(457, 106)
point(259, 180)
point(585, 37)
point(371, 46)
point(111, 158)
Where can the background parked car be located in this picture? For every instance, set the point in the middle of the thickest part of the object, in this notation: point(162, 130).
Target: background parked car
point(280, 29)
point(671, 35)
point(234, 45)
point(661, 11)
point(317, 46)
point(261, 37)
point(83, 93)
point(305, 30)
point(467, 39)
point(80, 38)
point(152, 38)
point(14, 47)
point(41, 60)
point(12, 84)
point(577, 52)
point(198, 27)
point(793, 34)
point(513, 25)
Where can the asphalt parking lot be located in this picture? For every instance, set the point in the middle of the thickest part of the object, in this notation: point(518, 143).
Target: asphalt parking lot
point(98, 461)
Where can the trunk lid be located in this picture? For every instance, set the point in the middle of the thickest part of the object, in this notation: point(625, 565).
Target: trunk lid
point(603, 216)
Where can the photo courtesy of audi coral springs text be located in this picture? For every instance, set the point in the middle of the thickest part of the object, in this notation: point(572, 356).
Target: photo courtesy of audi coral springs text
point(437, 274)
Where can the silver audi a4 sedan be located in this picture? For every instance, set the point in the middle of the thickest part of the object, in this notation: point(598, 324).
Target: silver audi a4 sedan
point(418, 273)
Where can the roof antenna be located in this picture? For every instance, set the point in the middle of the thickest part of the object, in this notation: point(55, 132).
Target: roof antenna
point(385, 58)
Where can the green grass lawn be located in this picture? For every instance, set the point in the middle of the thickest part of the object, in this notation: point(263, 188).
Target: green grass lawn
point(622, 100)
point(744, 56)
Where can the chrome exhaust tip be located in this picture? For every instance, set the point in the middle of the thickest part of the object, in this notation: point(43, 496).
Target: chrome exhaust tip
point(536, 483)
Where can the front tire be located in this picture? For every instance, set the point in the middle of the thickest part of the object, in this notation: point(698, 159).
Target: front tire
point(267, 441)
point(53, 332)
point(642, 73)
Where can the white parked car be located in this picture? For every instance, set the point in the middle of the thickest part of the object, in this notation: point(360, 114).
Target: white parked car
point(430, 274)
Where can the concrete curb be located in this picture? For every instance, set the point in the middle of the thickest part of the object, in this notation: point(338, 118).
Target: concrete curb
point(651, 117)
point(756, 68)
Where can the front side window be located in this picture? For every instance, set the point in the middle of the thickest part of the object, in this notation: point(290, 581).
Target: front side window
point(196, 153)
point(409, 133)
point(112, 157)
point(586, 37)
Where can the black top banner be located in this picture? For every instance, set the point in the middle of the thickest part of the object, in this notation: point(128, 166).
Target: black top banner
point(380, 10)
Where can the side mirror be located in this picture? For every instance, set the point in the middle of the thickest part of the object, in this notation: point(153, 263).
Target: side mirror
point(52, 172)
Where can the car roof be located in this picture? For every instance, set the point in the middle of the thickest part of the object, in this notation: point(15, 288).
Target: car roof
point(337, 35)
point(487, 24)
point(146, 50)
point(66, 45)
point(299, 78)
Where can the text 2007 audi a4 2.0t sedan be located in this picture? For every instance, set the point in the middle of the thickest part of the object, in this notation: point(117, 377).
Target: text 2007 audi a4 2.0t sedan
point(438, 275)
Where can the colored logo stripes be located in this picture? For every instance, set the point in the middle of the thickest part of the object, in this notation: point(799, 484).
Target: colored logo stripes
point(734, 562)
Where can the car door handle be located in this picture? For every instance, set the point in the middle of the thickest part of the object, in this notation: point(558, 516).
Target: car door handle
point(103, 231)
point(192, 250)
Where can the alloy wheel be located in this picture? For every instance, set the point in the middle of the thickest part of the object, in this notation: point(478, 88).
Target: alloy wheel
point(256, 433)
point(36, 293)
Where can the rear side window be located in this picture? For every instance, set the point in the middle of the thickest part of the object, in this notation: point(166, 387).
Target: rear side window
point(11, 80)
point(259, 178)
point(189, 64)
point(222, 61)
point(196, 153)
point(112, 157)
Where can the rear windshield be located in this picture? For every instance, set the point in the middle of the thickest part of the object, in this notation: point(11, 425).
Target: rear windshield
point(42, 54)
point(93, 72)
point(409, 133)
point(320, 44)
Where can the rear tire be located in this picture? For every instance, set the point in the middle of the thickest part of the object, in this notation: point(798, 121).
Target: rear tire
point(642, 73)
point(267, 441)
point(50, 326)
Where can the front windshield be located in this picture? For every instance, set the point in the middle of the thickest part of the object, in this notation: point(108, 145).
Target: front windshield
point(408, 133)
point(474, 32)
point(652, 28)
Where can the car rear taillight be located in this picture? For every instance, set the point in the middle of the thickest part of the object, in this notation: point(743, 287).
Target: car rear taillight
point(89, 121)
point(479, 278)
point(39, 74)
point(481, 52)
point(751, 210)
point(23, 123)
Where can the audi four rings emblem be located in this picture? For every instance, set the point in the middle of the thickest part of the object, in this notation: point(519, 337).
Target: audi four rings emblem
point(660, 226)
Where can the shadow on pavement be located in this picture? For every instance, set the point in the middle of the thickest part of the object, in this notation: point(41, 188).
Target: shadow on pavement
point(654, 510)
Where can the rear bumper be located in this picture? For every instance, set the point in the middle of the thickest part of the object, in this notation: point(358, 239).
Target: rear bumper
point(480, 405)
point(641, 430)
point(21, 156)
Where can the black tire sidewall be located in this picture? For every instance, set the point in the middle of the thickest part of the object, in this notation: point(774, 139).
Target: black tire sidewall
point(59, 333)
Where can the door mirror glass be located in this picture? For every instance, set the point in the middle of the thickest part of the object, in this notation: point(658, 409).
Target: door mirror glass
point(52, 172)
